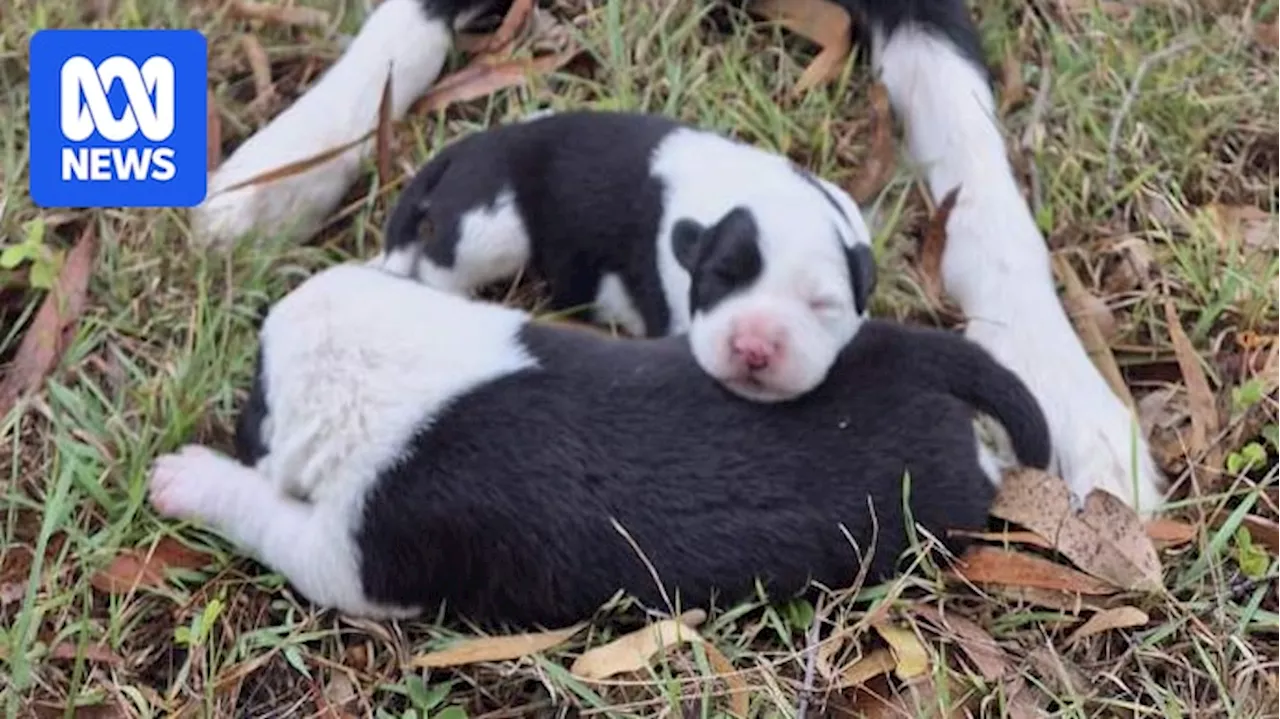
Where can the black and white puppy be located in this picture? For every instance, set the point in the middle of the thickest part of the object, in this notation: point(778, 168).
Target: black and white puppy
point(664, 228)
point(404, 446)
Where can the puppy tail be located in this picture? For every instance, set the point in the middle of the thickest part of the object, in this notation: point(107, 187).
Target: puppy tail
point(975, 377)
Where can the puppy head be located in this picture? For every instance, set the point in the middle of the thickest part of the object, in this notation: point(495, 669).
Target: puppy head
point(770, 317)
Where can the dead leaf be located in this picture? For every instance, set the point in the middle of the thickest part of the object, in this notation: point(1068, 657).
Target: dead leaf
point(1170, 532)
point(213, 132)
point(1013, 88)
point(878, 661)
point(987, 656)
point(1030, 538)
point(825, 23)
point(739, 699)
point(1133, 267)
point(480, 79)
point(384, 137)
point(911, 657)
point(47, 336)
point(1066, 602)
point(1106, 538)
point(633, 652)
point(495, 649)
point(1267, 35)
point(339, 694)
point(875, 700)
point(263, 86)
point(1204, 407)
point(98, 653)
point(297, 167)
point(881, 161)
point(517, 19)
point(1003, 566)
point(1244, 225)
point(297, 15)
point(134, 568)
point(1108, 619)
point(1091, 317)
point(934, 245)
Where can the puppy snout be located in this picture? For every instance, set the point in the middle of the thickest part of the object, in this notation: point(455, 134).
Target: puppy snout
point(755, 353)
point(756, 344)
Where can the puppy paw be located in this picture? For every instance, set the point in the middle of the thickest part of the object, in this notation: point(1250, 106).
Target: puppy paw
point(185, 484)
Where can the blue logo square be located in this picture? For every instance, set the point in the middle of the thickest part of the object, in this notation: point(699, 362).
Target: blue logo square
point(118, 118)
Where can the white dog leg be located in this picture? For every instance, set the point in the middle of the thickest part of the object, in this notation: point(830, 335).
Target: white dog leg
point(996, 266)
point(400, 38)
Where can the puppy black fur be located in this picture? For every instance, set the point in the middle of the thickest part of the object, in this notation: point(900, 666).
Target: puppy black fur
point(501, 506)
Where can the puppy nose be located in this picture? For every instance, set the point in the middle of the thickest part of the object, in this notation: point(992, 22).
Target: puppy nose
point(756, 353)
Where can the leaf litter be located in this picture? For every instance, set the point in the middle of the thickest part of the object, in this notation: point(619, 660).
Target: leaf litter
point(1106, 538)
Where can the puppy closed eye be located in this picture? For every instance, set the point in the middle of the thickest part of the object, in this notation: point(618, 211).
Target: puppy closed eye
point(824, 305)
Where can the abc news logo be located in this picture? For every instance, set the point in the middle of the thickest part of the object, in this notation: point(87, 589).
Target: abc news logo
point(150, 111)
point(118, 118)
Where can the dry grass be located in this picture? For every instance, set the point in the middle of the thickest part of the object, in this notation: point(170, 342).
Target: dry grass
point(1136, 184)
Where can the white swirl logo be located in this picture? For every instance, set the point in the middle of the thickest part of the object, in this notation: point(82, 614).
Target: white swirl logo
point(153, 117)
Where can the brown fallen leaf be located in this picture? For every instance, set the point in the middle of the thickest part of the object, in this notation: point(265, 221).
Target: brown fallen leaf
point(1170, 532)
point(385, 135)
point(97, 653)
point(213, 132)
point(1204, 407)
point(875, 699)
point(480, 79)
point(499, 41)
point(823, 22)
point(1106, 538)
point(297, 167)
point(1245, 225)
point(495, 649)
point(134, 568)
point(987, 656)
point(297, 15)
point(633, 652)
point(739, 698)
point(1091, 317)
point(933, 245)
point(881, 161)
point(1030, 538)
point(911, 658)
point(263, 87)
point(1108, 619)
point(1013, 87)
point(47, 336)
point(989, 565)
point(1066, 602)
point(878, 661)
point(1267, 35)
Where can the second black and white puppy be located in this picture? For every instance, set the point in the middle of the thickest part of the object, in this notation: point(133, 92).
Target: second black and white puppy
point(404, 447)
point(664, 228)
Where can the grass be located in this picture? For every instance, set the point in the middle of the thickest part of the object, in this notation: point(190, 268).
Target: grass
point(162, 354)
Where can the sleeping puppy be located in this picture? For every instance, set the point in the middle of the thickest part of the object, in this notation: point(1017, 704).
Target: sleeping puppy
point(403, 447)
point(613, 210)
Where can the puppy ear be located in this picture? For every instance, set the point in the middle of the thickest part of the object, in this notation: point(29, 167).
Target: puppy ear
point(686, 242)
point(862, 274)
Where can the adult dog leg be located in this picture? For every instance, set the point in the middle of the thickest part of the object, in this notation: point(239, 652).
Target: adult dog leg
point(403, 38)
point(996, 263)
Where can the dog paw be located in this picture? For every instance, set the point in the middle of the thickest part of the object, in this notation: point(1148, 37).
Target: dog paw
point(1097, 443)
point(185, 484)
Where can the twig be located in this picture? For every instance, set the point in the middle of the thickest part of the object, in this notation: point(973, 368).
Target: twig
point(810, 663)
point(1132, 94)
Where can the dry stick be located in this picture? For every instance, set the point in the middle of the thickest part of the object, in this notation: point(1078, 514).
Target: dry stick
point(1039, 106)
point(810, 664)
point(1132, 94)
